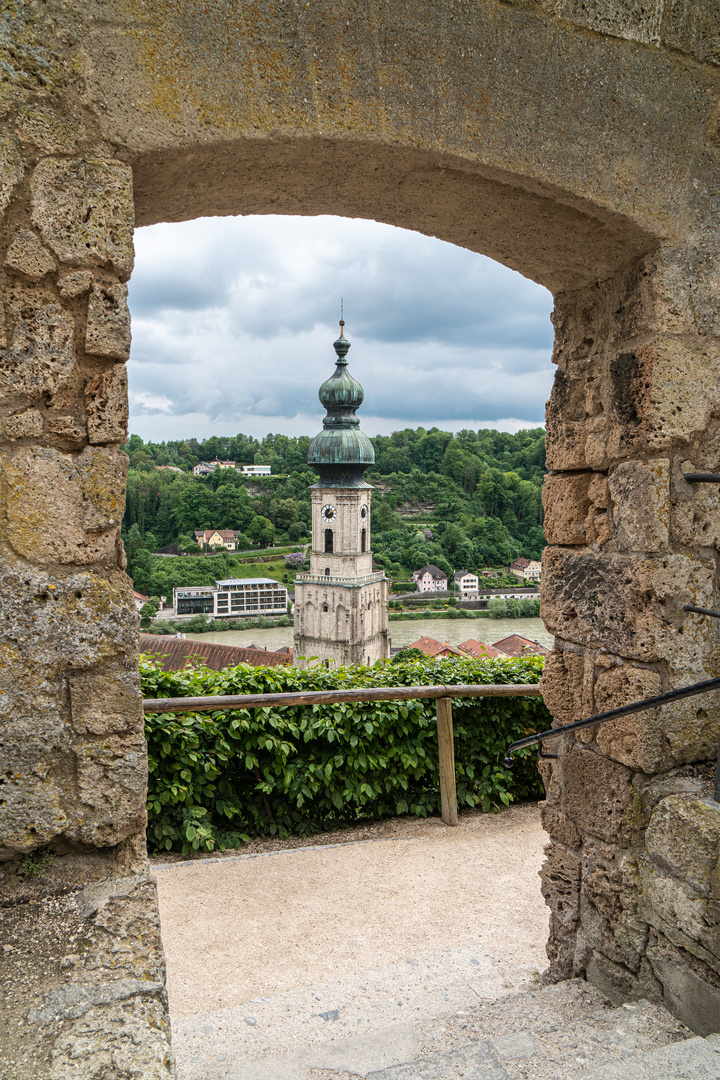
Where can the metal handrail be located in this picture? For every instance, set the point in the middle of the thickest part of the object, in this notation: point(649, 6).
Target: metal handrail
point(702, 478)
point(613, 714)
point(702, 611)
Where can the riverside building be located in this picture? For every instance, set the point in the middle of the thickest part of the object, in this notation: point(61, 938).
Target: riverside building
point(235, 598)
point(341, 603)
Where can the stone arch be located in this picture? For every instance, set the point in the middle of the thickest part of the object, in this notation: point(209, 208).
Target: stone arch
point(533, 138)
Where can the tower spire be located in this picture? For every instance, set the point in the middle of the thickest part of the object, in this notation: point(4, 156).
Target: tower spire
point(342, 319)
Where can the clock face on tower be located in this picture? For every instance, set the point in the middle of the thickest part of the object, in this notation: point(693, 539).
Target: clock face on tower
point(328, 513)
point(363, 512)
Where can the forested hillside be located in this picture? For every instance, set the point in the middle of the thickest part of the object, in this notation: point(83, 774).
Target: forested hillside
point(461, 501)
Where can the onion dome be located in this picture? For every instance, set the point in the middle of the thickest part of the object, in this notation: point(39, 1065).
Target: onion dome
point(341, 452)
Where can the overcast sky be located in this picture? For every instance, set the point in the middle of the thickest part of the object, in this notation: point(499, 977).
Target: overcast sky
point(233, 321)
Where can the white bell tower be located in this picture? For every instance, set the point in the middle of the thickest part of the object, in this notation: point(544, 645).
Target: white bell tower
point(341, 604)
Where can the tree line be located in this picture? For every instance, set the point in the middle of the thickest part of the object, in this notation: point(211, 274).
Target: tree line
point(461, 501)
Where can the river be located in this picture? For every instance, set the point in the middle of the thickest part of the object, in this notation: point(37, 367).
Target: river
point(402, 632)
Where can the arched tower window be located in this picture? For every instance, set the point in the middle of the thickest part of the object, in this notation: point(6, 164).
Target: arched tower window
point(328, 541)
point(363, 539)
point(327, 571)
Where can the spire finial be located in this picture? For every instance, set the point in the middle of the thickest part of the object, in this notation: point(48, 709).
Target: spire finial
point(342, 320)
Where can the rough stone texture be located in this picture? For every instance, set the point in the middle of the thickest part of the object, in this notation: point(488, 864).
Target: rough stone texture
point(108, 325)
point(27, 256)
point(84, 211)
point(641, 493)
point(64, 509)
point(106, 403)
point(80, 997)
point(542, 133)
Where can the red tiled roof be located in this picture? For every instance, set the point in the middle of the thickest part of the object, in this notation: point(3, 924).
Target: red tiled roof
point(480, 649)
point(176, 652)
point(431, 647)
point(515, 645)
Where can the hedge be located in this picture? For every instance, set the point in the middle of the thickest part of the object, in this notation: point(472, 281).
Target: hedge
point(217, 779)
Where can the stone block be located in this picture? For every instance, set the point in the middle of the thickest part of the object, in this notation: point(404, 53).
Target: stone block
point(567, 504)
point(564, 685)
point(84, 211)
point(558, 826)
point(560, 877)
point(652, 791)
point(664, 393)
point(673, 907)
point(11, 169)
point(597, 795)
point(565, 423)
point(635, 741)
point(684, 835)
point(691, 998)
point(106, 702)
point(47, 129)
point(76, 283)
point(635, 20)
point(64, 509)
point(60, 620)
point(108, 322)
point(40, 361)
point(677, 292)
point(640, 493)
point(627, 605)
point(25, 425)
point(27, 256)
point(111, 790)
point(106, 403)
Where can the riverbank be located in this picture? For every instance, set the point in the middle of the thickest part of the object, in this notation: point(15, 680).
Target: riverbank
point(195, 627)
point(403, 632)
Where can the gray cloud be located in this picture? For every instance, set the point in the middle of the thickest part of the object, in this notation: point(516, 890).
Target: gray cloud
point(233, 321)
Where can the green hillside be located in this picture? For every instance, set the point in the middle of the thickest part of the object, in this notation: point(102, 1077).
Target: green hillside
point(461, 501)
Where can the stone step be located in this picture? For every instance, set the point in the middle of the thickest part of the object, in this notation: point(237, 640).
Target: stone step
point(482, 1032)
point(691, 1059)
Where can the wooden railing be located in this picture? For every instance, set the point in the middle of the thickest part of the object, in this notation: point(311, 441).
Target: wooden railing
point(442, 694)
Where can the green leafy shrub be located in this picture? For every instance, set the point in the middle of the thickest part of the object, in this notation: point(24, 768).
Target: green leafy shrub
point(216, 779)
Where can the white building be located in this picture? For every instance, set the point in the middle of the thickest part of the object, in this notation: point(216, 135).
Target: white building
point(203, 468)
point(466, 583)
point(256, 470)
point(341, 603)
point(431, 579)
point(234, 598)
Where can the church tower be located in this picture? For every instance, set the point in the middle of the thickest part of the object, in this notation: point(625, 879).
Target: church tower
point(341, 604)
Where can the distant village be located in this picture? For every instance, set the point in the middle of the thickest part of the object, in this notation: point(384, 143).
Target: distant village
point(341, 600)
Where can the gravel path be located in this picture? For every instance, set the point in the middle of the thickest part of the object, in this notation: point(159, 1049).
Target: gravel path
point(273, 951)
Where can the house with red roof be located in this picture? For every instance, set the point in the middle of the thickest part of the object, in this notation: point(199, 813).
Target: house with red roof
point(516, 645)
point(431, 647)
point(480, 650)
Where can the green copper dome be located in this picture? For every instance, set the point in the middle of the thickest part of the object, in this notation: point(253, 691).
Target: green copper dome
point(341, 452)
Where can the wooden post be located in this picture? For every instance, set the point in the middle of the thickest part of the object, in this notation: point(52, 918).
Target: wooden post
point(446, 756)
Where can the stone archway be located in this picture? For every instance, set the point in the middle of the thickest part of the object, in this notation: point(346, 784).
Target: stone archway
point(578, 147)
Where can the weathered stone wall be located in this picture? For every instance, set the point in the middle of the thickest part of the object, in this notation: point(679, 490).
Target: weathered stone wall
point(577, 143)
point(636, 404)
point(82, 954)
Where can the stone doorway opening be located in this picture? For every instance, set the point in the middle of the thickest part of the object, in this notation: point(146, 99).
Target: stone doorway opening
point(547, 141)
